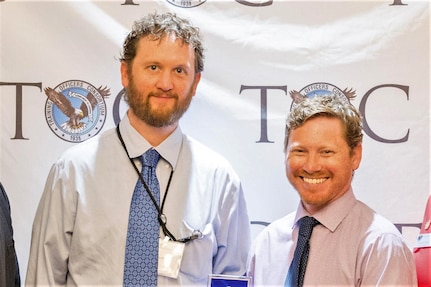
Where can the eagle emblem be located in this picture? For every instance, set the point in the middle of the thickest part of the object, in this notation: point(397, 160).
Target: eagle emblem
point(76, 110)
point(75, 115)
point(320, 89)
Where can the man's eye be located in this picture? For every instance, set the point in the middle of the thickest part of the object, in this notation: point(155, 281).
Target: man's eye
point(153, 67)
point(179, 70)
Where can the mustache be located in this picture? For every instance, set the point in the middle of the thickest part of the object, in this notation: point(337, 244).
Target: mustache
point(161, 94)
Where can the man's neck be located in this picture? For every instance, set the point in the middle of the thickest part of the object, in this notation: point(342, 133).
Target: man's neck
point(154, 135)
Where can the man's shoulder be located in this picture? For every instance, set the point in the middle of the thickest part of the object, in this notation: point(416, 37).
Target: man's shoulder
point(3, 196)
point(201, 151)
point(373, 219)
point(98, 146)
point(280, 228)
point(196, 144)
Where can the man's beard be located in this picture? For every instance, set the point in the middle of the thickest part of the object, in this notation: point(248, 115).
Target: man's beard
point(141, 106)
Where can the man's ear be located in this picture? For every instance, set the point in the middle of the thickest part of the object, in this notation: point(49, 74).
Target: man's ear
point(124, 68)
point(196, 82)
point(356, 156)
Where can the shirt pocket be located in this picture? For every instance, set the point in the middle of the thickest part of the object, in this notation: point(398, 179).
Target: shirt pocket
point(197, 261)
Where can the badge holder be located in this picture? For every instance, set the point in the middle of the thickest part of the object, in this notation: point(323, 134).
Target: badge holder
point(170, 257)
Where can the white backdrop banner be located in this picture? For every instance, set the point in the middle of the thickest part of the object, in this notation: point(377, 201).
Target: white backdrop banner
point(258, 52)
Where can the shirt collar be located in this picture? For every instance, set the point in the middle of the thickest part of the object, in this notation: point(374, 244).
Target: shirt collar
point(333, 214)
point(137, 145)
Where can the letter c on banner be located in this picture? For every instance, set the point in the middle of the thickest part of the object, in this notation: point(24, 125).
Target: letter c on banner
point(367, 128)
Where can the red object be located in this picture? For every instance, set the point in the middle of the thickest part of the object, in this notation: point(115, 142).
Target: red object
point(422, 253)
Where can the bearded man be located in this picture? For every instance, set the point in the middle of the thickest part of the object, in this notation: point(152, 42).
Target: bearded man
point(91, 227)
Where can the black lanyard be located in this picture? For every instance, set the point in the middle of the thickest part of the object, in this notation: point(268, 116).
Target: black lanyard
point(162, 218)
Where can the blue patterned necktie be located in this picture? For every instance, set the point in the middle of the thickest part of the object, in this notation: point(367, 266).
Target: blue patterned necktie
point(295, 276)
point(142, 245)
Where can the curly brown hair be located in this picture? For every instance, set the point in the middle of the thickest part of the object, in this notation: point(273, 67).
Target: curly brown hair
point(157, 26)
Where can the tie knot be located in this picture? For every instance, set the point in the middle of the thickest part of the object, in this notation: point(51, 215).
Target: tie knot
point(150, 158)
point(306, 225)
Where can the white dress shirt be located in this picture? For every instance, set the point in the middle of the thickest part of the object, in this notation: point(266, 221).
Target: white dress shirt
point(80, 228)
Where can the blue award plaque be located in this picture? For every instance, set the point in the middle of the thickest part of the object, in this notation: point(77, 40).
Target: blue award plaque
point(215, 280)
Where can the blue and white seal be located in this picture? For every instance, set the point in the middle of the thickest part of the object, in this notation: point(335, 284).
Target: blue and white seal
point(76, 110)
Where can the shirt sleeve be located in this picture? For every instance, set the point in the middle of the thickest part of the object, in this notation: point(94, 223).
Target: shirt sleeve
point(233, 236)
point(52, 231)
point(388, 262)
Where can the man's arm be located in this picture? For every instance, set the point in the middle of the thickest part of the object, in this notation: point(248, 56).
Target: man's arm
point(52, 233)
point(234, 235)
point(388, 262)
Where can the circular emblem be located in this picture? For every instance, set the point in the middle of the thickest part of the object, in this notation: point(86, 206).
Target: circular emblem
point(320, 89)
point(75, 110)
point(186, 3)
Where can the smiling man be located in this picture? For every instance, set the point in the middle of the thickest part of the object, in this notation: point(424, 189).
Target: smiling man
point(143, 204)
point(350, 245)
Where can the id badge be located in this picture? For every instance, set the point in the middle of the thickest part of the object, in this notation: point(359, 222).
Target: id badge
point(423, 240)
point(170, 257)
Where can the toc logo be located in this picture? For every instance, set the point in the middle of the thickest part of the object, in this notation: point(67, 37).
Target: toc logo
point(75, 110)
point(320, 89)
